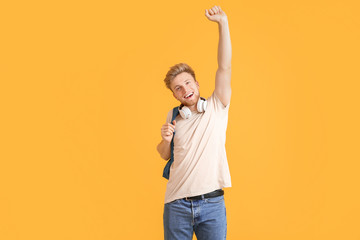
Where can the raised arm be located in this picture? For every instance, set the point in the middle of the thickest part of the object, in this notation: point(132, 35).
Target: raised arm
point(223, 73)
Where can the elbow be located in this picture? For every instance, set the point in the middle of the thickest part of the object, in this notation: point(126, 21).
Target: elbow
point(224, 68)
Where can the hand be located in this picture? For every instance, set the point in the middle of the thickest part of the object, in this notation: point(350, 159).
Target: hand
point(167, 131)
point(215, 14)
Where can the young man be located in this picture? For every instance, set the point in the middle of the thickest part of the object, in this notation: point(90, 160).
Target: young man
point(194, 200)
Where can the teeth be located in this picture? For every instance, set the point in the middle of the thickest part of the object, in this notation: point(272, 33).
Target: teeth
point(188, 95)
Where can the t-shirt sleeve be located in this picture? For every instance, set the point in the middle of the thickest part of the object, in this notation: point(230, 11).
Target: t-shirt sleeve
point(218, 105)
point(169, 116)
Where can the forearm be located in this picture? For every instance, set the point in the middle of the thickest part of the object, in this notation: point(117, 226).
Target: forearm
point(224, 48)
point(164, 149)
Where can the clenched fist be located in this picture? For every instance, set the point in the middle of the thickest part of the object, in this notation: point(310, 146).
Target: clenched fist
point(215, 14)
point(167, 131)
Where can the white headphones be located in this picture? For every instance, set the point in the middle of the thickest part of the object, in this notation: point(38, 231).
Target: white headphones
point(185, 112)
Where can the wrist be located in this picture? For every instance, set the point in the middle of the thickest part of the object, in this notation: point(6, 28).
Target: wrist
point(223, 20)
point(167, 142)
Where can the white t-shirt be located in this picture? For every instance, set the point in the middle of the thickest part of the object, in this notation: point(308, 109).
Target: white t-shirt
point(200, 163)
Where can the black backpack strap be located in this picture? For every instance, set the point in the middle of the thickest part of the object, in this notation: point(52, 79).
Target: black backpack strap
point(166, 172)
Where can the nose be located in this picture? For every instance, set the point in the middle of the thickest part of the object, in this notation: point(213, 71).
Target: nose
point(186, 89)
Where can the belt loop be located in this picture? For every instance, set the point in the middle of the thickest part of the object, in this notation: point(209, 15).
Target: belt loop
point(202, 197)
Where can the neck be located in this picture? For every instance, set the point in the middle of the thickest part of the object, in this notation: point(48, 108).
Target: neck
point(193, 108)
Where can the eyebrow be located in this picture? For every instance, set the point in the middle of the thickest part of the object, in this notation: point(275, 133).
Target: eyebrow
point(184, 81)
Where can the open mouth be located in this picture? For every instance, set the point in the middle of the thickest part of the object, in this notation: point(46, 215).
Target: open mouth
point(189, 95)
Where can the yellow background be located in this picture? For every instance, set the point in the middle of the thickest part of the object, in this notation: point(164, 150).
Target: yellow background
point(83, 100)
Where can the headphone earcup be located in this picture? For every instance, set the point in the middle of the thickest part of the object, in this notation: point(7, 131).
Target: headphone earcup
point(205, 105)
point(201, 105)
point(185, 112)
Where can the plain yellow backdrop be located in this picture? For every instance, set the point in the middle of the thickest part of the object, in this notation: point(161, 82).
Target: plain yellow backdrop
point(83, 100)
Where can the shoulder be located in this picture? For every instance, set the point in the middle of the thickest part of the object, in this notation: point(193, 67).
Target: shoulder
point(216, 102)
point(170, 114)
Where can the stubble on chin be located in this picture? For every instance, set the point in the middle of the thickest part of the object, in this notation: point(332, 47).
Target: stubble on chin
point(189, 104)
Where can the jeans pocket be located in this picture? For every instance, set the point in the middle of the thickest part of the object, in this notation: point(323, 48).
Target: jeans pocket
point(215, 199)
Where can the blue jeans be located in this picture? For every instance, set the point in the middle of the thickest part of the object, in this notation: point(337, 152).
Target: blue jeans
point(206, 217)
